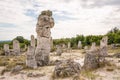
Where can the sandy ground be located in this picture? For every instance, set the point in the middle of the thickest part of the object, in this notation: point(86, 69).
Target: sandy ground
point(102, 73)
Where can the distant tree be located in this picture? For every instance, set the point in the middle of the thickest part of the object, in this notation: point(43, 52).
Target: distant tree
point(20, 39)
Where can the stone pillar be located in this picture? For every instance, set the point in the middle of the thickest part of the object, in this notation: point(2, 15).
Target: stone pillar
point(16, 47)
point(6, 49)
point(69, 45)
point(30, 57)
point(93, 46)
point(86, 48)
point(44, 24)
point(59, 50)
point(32, 41)
point(103, 49)
point(79, 45)
point(103, 46)
point(91, 60)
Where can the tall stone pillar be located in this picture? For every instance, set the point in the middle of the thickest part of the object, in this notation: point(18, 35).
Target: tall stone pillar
point(44, 24)
point(6, 49)
point(103, 46)
point(32, 41)
point(16, 47)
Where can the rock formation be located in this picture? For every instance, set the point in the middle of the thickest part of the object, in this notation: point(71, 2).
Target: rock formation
point(91, 60)
point(79, 45)
point(16, 47)
point(66, 68)
point(44, 24)
point(32, 41)
point(93, 46)
point(69, 47)
point(94, 57)
point(59, 50)
point(30, 57)
point(6, 49)
point(103, 46)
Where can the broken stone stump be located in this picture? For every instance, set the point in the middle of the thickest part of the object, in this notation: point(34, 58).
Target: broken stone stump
point(16, 69)
point(66, 68)
point(44, 24)
point(30, 60)
point(6, 49)
point(93, 46)
point(91, 61)
point(16, 47)
point(59, 50)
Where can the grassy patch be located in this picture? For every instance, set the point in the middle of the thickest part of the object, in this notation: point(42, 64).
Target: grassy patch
point(89, 74)
point(116, 50)
point(11, 61)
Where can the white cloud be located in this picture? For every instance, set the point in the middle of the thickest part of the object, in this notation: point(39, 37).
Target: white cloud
point(77, 19)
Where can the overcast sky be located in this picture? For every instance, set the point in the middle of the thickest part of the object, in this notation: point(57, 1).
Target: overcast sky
point(72, 17)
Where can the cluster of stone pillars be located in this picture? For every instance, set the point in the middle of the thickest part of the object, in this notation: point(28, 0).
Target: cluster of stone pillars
point(95, 55)
point(14, 51)
point(40, 54)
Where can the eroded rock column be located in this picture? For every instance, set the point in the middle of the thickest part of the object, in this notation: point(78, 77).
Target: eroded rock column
point(6, 49)
point(16, 47)
point(59, 50)
point(44, 24)
point(79, 45)
point(103, 46)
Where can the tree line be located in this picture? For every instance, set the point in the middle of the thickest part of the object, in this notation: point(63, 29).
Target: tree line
point(113, 38)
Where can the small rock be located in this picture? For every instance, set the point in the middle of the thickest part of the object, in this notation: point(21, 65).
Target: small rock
point(117, 55)
point(109, 69)
point(35, 75)
point(66, 68)
point(16, 69)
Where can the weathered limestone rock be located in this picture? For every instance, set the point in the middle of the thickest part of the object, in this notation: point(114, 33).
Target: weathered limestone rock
point(67, 68)
point(86, 48)
point(59, 50)
point(6, 49)
point(95, 57)
point(103, 49)
point(93, 46)
point(64, 48)
point(30, 61)
point(32, 41)
point(44, 24)
point(79, 45)
point(69, 47)
point(91, 61)
point(16, 47)
point(103, 46)
point(16, 69)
